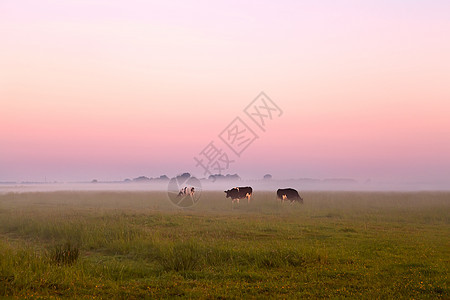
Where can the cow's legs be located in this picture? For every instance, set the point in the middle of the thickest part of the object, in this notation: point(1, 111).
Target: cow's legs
point(278, 198)
point(233, 201)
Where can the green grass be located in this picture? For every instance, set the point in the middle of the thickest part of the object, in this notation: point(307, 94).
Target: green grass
point(137, 245)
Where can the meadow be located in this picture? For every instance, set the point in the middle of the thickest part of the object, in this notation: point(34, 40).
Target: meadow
point(135, 245)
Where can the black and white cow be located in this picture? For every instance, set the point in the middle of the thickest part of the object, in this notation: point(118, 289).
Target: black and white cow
point(186, 191)
point(238, 193)
point(289, 194)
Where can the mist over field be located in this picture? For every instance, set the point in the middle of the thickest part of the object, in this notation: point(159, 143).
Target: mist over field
point(208, 185)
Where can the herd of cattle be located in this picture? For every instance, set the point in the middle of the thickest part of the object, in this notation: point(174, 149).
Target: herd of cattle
point(238, 193)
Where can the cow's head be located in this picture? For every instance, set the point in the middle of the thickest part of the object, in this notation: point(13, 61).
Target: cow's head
point(228, 193)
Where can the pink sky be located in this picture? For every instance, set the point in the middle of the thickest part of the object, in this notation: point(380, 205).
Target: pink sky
point(119, 89)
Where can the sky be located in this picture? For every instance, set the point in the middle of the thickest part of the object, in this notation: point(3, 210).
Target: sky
point(119, 89)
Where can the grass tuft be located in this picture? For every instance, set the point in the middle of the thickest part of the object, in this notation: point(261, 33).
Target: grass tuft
point(181, 256)
point(65, 254)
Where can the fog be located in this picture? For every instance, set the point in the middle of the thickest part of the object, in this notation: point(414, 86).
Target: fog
point(257, 185)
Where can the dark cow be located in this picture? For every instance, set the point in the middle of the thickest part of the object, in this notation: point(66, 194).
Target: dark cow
point(186, 191)
point(238, 193)
point(289, 194)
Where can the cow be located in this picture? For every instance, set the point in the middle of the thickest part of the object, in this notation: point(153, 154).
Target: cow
point(289, 194)
point(186, 191)
point(238, 193)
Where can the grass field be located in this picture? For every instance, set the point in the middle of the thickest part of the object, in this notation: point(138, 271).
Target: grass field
point(137, 245)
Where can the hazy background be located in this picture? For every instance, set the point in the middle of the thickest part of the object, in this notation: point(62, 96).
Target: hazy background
point(117, 89)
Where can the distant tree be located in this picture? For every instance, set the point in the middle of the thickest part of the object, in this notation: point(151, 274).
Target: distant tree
point(267, 177)
point(141, 179)
point(127, 180)
point(224, 177)
point(183, 177)
point(233, 177)
point(163, 177)
point(94, 181)
point(215, 177)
